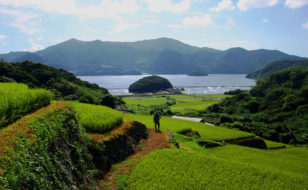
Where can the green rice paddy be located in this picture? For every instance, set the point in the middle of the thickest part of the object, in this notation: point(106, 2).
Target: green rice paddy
point(178, 169)
point(17, 100)
point(96, 118)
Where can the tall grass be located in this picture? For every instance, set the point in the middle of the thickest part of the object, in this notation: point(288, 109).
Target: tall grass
point(97, 119)
point(17, 100)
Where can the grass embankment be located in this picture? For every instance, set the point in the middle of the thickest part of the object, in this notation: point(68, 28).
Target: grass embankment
point(47, 151)
point(274, 145)
point(97, 119)
point(18, 100)
point(178, 169)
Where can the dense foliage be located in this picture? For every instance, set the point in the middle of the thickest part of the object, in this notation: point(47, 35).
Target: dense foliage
point(150, 84)
point(17, 100)
point(59, 158)
point(63, 84)
point(276, 108)
point(276, 66)
point(96, 118)
point(161, 55)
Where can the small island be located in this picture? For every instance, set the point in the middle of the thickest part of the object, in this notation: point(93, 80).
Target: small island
point(150, 84)
point(197, 73)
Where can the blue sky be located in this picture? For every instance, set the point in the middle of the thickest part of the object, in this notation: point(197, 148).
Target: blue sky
point(31, 25)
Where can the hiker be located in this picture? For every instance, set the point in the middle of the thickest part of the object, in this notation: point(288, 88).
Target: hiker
point(156, 120)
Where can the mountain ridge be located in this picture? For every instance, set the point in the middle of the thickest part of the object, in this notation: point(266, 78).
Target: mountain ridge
point(155, 56)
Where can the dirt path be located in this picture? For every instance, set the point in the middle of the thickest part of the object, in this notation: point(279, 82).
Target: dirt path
point(155, 141)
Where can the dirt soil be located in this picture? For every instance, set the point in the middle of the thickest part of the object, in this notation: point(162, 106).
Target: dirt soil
point(155, 141)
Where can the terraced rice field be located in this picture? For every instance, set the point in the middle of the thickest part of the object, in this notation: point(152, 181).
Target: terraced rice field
point(18, 100)
point(96, 118)
point(178, 169)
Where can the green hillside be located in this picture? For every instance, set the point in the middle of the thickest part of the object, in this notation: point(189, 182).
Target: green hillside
point(63, 84)
point(276, 66)
point(276, 108)
point(157, 56)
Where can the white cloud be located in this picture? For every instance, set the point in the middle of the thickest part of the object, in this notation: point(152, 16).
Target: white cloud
point(2, 37)
point(175, 26)
point(230, 22)
point(265, 20)
point(233, 43)
point(24, 21)
point(159, 6)
point(152, 21)
point(204, 21)
point(223, 5)
point(295, 3)
point(34, 46)
point(122, 27)
point(305, 25)
point(105, 9)
point(244, 5)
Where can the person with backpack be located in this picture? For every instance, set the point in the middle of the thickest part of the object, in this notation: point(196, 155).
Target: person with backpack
point(156, 121)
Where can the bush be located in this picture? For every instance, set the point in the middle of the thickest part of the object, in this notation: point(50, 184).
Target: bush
point(108, 100)
point(225, 119)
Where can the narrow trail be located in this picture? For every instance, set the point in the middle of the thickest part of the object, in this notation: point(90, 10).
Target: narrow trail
point(155, 141)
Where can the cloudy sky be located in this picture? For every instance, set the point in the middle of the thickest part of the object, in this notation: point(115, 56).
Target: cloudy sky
point(32, 25)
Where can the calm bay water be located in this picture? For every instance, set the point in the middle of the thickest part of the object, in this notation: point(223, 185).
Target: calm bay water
point(211, 84)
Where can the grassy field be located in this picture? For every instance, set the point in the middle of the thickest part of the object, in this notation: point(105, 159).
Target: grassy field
point(18, 100)
point(97, 119)
point(184, 103)
point(144, 101)
point(290, 161)
point(274, 145)
point(206, 131)
point(178, 169)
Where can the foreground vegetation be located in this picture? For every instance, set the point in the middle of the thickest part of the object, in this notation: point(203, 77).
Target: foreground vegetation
point(96, 118)
point(18, 100)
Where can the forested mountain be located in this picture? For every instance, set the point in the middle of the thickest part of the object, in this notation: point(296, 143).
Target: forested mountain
point(158, 56)
point(276, 66)
point(276, 108)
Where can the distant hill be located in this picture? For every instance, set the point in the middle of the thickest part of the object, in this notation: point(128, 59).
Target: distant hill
point(276, 66)
point(63, 84)
point(157, 56)
point(150, 84)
